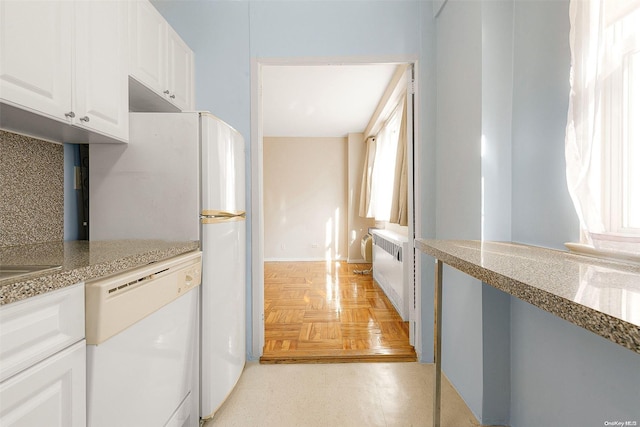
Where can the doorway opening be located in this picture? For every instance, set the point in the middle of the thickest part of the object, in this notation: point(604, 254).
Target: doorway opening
point(307, 139)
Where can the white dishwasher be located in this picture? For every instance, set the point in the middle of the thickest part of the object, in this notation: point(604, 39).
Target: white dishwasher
point(142, 346)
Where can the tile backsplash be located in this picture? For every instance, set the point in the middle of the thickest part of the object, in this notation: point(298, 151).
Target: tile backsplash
point(31, 190)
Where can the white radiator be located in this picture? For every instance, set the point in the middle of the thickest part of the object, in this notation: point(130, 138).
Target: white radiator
point(391, 268)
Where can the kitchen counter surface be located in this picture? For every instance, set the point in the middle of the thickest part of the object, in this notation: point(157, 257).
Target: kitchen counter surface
point(80, 261)
point(599, 295)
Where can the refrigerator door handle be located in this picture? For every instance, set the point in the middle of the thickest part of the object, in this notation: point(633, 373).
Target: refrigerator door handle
point(214, 217)
point(221, 214)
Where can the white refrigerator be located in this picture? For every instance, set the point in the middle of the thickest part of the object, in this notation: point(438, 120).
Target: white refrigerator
point(182, 177)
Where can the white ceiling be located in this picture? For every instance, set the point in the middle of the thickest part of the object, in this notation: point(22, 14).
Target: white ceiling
point(321, 100)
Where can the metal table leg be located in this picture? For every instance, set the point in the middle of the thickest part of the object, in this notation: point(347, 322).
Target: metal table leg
point(437, 342)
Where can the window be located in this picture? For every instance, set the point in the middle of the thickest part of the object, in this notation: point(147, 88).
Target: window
point(603, 130)
point(384, 168)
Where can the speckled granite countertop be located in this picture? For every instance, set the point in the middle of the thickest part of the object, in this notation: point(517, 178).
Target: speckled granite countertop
point(598, 295)
point(80, 261)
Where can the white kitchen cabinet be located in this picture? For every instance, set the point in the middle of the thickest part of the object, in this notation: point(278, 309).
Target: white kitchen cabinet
point(101, 57)
point(161, 63)
point(180, 75)
point(51, 393)
point(148, 51)
point(37, 327)
point(43, 360)
point(63, 69)
point(35, 55)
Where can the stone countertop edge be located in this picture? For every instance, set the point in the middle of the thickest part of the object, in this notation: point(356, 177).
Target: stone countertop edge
point(83, 261)
point(605, 325)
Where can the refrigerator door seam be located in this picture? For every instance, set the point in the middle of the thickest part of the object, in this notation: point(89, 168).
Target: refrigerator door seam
point(221, 213)
point(216, 220)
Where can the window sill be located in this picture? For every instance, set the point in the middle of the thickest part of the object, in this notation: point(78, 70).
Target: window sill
point(584, 249)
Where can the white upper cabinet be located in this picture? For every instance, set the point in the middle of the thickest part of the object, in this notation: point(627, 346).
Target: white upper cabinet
point(180, 78)
point(35, 55)
point(101, 88)
point(65, 66)
point(161, 63)
point(148, 48)
point(63, 69)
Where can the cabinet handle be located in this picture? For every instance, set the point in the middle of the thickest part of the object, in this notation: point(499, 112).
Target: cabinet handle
point(84, 119)
point(70, 114)
point(166, 92)
point(172, 96)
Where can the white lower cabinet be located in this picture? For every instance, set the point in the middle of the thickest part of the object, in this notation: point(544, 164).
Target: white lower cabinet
point(51, 393)
point(43, 360)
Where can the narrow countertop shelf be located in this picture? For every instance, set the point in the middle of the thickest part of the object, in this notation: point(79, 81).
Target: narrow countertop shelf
point(80, 261)
point(599, 295)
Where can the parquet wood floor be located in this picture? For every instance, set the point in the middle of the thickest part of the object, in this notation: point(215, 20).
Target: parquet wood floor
point(322, 312)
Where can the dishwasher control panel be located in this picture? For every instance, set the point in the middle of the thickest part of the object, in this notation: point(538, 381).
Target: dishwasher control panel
point(189, 278)
point(116, 302)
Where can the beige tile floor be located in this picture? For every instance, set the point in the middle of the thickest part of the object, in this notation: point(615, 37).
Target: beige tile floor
point(339, 395)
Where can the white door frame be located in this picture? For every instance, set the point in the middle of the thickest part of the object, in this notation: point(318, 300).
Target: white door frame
point(257, 211)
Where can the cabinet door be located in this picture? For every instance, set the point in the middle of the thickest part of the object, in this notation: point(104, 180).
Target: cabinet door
point(51, 393)
point(180, 71)
point(101, 64)
point(35, 328)
point(148, 36)
point(35, 55)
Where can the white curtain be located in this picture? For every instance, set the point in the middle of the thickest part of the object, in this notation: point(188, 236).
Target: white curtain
point(379, 173)
point(382, 174)
point(603, 33)
point(367, 178)
point(399, 201)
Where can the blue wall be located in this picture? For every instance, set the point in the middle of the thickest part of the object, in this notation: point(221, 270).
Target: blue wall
point(556, 373)
point(218, 33)
point(227, 35)
point(542, 212)
point(473, 193)
point(496, 171)
point(560, 374)
point(564, 375)
point(329, 28)
point(458, 189)
point(425, 154)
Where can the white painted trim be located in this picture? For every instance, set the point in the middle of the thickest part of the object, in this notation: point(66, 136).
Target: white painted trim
point(351, 60)
point(358, 261)
point(604, 253)
point(257, 214)
point(413, 325)
point(388, 102)
point(415, 209)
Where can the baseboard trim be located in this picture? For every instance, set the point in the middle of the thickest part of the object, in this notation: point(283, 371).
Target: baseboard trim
point(358, 261)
